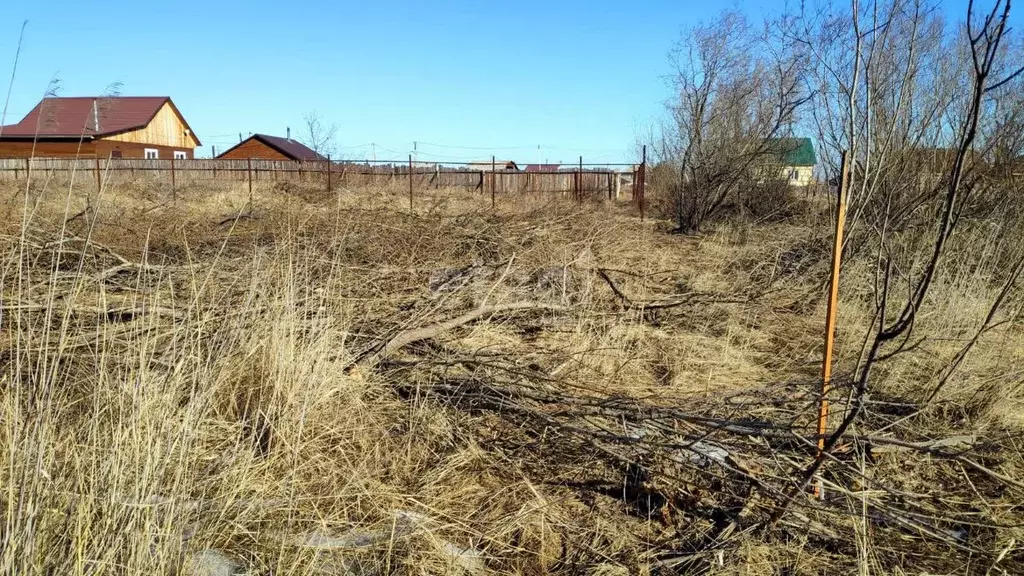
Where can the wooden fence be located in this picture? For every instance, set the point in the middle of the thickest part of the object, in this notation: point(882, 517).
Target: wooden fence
point(177, 172)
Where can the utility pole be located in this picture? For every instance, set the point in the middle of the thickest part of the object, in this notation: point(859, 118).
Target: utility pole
point(374, 148)
point(415, 152)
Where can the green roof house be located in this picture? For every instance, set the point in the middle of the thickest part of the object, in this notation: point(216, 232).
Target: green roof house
point(796, 157)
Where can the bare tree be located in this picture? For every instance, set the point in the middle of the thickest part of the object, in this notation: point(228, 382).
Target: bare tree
point(889, 92)
point(735, 93)
point(886, 90)
point(319, 135)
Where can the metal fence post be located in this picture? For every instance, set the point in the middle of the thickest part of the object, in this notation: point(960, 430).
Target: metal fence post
point(99, 181)
point(579, 182)
point(248, 169)
point(493, 176)
point(328, 173)
point(410, 182)
point(643, 181)
point(174, 192)
point(830, 313)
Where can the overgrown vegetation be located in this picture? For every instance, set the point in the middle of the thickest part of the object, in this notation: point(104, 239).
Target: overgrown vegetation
point(295, 382)
point(335, 385)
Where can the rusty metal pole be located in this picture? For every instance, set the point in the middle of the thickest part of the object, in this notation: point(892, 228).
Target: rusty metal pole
point(174, 191)
point(328, 173)
point(643, 181)
point(493, 176)
point(831, 312)
point(248, 169)
point(99, 180)
point(410, 182)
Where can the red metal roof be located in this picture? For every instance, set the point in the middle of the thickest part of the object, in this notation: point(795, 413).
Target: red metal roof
point(293, 149)
point(88, 117)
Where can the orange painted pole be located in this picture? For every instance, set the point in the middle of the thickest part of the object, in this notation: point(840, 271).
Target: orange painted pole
point(831, 311)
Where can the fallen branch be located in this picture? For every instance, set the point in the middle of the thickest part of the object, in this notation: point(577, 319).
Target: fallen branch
point(407, 337)
point(611, 284)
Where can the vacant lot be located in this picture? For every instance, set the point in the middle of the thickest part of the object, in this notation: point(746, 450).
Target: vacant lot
point(296, 383)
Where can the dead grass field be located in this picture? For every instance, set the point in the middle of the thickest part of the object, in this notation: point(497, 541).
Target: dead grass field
point(334, 385)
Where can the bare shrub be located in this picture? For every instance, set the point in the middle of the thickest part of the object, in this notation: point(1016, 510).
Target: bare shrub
point(736, 92)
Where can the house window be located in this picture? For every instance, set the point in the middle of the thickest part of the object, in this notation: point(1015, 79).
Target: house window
point(794, 174)
point(179, 155)
point(115, 153)
point(151, 153)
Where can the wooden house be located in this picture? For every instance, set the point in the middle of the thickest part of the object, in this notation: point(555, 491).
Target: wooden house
point(264, 147)
point(795, 157)
point(115, 127)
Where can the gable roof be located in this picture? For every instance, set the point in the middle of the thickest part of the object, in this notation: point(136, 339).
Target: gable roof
point(76, 117)
point(291, 148)
point(793, 151)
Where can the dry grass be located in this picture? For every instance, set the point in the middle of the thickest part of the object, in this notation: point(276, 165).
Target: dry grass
point(188, 377)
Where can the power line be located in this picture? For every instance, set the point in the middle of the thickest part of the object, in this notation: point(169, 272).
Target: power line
point(478, 147)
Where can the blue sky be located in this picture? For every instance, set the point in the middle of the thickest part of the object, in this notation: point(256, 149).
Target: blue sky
point(465, 79)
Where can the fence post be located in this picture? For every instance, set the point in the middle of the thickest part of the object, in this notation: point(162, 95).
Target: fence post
point(830, 312)
point(99, 181)
point(248, 169)
point(643, 181)
point(174, 192)
point(580, 180)
point(28, 168)
point(328, 173)
point(410, 182)
point(437, 176)
point(493, 176)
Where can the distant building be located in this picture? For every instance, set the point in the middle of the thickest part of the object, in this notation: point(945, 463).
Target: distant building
point(265, 147)
point(498, 165)
point(543, 167)
point(795, 157)
point(117, 127)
